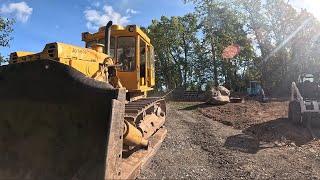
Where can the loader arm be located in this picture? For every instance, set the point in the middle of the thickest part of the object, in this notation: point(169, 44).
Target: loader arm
point(304, 103)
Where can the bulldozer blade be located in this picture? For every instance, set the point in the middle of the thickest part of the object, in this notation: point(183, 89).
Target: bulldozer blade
point(55, 123)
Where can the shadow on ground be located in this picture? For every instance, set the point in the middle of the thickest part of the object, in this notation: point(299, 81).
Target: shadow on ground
point(196, 106)
point(270, 134)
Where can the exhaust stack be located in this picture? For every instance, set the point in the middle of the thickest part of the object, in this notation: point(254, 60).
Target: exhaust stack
point(107, 38)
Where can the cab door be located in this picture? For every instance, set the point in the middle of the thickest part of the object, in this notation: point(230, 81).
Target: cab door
point(127, 57)
point(143, 62)
point(150, 66)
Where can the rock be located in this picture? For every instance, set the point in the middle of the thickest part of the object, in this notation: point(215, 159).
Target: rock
point(293, 144)
point(224, 91)
point(218, 96)
point(312, 150)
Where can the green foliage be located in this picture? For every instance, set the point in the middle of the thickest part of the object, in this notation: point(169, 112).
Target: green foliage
point(174, 40)
point(285, 38)
point(5, 31)
point(189, 48)
point(276, 43)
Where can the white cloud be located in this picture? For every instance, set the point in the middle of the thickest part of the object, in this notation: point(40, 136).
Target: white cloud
point(21, 11)
point(96, 4)
point(97, 18)
point(131, 11)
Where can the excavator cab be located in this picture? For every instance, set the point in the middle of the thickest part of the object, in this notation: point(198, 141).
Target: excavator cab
point(134, 55)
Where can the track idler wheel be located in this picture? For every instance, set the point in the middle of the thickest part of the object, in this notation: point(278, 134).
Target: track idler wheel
point(132, 136)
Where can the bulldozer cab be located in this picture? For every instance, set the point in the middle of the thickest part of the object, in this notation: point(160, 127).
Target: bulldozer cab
point(132, 51)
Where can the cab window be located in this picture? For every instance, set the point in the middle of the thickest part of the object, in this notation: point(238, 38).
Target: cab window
point(308, 78)
point(90, 43)
point(143, 52)
point(126, 53)
point(112, 47)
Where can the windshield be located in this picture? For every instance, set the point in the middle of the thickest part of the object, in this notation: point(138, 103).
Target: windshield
point(126, 53)
point(308, 78)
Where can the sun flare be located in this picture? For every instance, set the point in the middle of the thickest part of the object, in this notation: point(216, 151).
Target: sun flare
point(312, 6)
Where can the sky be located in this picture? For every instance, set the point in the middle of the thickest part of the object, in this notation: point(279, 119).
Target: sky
point(313, 6)
point(39, 22)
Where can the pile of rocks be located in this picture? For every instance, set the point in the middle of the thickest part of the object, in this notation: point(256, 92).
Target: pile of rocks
point(218, 96)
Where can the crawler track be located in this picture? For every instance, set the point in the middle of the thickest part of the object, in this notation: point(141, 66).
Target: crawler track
point(148, 114)
point(135, 108)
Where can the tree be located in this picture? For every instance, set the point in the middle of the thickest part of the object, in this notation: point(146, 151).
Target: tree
point(283, 37)
point(5, 31)
point(188, 28)
point(276, 43)
point(173, 39)
point(211, 20)
point(221, 27)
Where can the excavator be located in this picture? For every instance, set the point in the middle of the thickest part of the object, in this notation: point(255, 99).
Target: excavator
point(77, 113)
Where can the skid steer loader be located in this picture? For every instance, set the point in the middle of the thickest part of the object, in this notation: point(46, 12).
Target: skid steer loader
point(81, 113)
point(304, 103)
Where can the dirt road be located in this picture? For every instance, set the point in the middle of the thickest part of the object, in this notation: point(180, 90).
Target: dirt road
point(203, 144)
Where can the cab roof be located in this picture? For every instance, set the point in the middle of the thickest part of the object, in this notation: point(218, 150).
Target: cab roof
point(116, 30)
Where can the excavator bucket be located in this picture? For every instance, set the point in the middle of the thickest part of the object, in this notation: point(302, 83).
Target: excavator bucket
point(55, 123)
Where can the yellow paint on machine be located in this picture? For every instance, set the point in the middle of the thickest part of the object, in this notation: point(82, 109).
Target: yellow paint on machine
point(88, 61)
point(124, 121)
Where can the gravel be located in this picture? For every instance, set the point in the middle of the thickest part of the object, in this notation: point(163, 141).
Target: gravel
point(264, 146)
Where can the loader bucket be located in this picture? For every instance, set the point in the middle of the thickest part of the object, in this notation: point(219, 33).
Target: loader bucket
point(55, 123)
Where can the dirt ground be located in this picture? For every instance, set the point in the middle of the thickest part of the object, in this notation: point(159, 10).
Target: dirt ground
point(250, 140)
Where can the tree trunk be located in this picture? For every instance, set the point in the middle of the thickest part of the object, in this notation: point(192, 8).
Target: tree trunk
point(180, 80)
point(185, 62)
point(214, 60)
point(168, 77)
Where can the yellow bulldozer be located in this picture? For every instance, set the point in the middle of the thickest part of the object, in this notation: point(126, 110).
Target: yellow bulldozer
point(81, 113)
